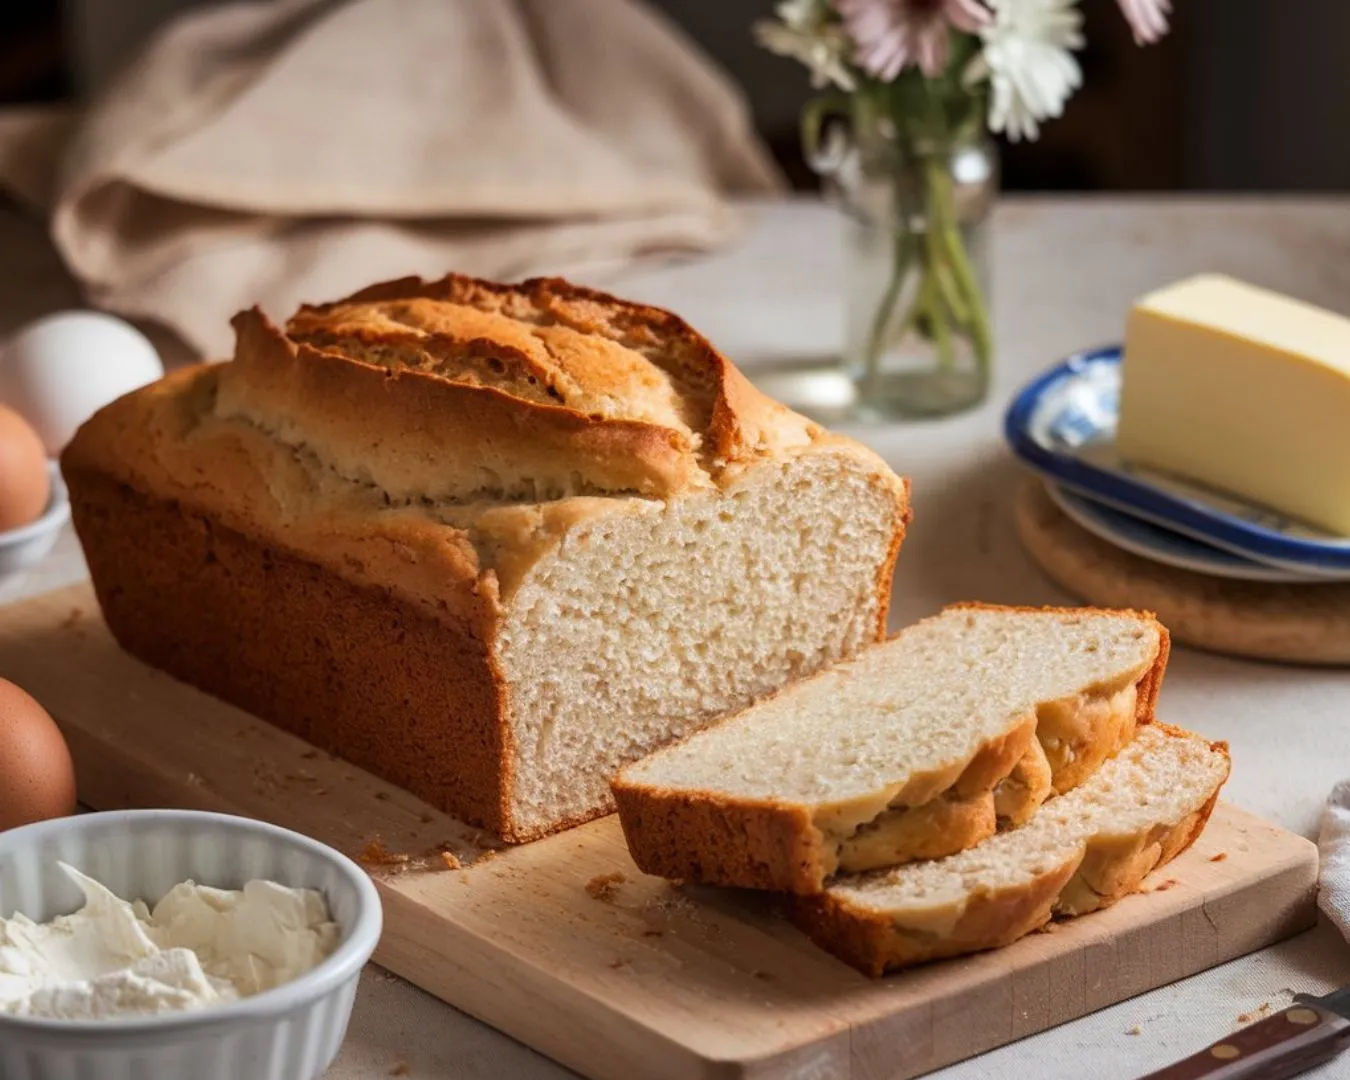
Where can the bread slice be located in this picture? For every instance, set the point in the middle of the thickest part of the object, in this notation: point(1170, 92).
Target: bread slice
point(1080, 852)
point(911, 750)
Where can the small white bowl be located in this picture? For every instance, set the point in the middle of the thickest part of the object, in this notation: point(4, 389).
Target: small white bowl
point(292, 1032)
point(27, 544)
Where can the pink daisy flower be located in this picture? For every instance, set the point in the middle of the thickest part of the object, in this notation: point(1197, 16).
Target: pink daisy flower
point(1147, 18)
point(890, 35)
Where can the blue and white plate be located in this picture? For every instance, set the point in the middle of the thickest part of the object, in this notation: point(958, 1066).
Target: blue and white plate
point(1160, 545)
point(1063, 425)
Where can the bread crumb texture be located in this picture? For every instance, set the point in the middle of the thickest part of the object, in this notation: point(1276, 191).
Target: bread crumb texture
point(531, 532)
point(913, 749)
point(1081, 851)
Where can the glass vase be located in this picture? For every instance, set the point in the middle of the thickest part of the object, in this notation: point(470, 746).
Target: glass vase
point(915, 177)
point(918, 340)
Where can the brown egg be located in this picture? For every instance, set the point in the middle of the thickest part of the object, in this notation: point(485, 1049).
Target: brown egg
point(24, 484)
point(37, 778)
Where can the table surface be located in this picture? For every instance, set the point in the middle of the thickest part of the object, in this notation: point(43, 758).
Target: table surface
point(1065, 271)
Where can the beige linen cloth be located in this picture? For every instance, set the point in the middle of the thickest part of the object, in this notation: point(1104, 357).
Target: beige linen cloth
point(294, 151)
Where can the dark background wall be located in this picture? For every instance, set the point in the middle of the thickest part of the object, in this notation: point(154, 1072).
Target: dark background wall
point(1243, 95)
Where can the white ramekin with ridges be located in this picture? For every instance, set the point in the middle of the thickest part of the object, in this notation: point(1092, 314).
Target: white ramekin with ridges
point(292, 1032)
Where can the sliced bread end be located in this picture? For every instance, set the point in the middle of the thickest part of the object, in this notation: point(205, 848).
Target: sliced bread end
point(695, 825)
point(1071, 859)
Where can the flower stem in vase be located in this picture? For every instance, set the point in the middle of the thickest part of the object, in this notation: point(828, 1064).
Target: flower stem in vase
point(882, 333)
point(935, 318)
point(919, 85)
point(973, 312)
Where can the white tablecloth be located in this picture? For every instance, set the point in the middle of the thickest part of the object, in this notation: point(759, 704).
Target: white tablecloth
point(1065, 271)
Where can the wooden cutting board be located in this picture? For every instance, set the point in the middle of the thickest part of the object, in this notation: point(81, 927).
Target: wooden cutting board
point(564, 945)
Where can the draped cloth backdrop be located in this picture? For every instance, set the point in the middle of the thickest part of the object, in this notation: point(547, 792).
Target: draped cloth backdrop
point(294, 151)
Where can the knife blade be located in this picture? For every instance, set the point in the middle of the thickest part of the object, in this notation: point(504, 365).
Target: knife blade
point(1311, 1031)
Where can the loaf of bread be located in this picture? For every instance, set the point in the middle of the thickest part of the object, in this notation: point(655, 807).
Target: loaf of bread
point(489, 542)
point(913, 750)
point(1080, 852)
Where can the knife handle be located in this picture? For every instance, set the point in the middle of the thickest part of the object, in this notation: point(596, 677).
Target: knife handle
point(1275, 1048)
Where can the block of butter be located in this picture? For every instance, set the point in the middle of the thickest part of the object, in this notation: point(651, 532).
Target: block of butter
point(1243, 390)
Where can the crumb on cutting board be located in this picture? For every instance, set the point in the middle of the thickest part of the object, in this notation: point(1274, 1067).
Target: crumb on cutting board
point(671, 902)
point(375, 856)
point(1218, 856)
point(1259, 1013)
point(1170, 883)
point(605, 886)
point(265, 778)
point(487, 842)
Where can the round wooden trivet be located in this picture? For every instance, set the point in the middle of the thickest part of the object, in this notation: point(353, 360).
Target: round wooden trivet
point(1306, 624)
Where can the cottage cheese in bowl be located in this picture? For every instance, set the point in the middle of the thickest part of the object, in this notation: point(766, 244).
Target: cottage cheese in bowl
point(251, 980)
point(197, 948)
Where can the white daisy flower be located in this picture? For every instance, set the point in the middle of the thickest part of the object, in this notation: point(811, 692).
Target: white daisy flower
point(1028, 62)
point(805, 31)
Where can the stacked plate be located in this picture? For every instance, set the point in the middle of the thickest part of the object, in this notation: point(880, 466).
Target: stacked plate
point(1063, 425)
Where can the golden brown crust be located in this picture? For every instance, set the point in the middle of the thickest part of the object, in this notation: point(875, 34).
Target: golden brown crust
point(1096, 742)
point(1020, 794)
point(941, 826)
point(163, 442)
point(1109, 735)
point(713, 839)
point(195, 436)
point(695, 837)
point(1113, 866)
point(417, 435)
point(231, 630)
point(871, 942)
point(904, 517)
point(1088, 877)
point(996, 759)
point(757, 845)
point(431, 451)
point(933, 814)
point(734, 422)
point(1150, 685)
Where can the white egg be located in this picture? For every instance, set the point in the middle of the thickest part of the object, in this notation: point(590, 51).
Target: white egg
point(59, 371)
